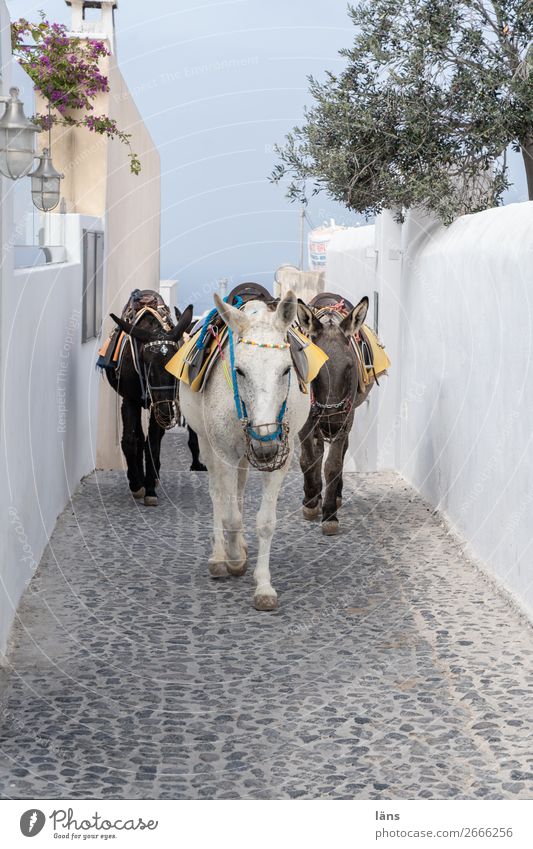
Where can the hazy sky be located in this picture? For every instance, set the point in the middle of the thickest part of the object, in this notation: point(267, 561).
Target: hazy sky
point(219, 83)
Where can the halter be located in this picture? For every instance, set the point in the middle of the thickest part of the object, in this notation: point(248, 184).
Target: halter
point(147, 388)
point(328, 413)
point(282, 428)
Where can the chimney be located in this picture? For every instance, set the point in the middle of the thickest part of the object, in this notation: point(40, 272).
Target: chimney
point(99, 25)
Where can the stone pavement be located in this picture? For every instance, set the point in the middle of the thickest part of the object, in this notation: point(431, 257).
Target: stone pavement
point(392, 668)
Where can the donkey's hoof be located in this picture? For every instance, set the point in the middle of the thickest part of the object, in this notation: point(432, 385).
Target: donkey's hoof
point(198, 467)
point(330, 528)
point(237, 569)
point(339, 502)
point(218, 569)
point(138, 493)
point(310, 513)
point(265, 602)
point(150, 500)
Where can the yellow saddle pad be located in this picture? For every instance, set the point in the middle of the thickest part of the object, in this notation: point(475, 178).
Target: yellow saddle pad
point(379, 356)
point(380, 360)
point(178, 365)
point(314, 355)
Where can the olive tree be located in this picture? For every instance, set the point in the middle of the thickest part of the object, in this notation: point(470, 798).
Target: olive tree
point(432, 94)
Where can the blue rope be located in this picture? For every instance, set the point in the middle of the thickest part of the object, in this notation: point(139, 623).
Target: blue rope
point(239, 403)
point(209, 318)
point(205, 327)
point(270, 436)
point(236, 396)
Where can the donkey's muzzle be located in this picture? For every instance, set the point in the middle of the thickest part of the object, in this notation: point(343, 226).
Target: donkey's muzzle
point(166, 413)
point(267, 445)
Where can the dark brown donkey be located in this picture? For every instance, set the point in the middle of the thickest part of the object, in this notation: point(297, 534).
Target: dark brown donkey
point(335, 394)
point(140, 377)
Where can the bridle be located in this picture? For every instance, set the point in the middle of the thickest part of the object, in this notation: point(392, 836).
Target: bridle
point(148, 389)
point(330, 413)
point(281, 431)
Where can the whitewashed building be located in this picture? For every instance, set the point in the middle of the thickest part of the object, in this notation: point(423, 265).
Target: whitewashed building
point(74, 266)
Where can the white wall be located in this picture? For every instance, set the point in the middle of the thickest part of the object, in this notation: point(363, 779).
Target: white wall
point(455, 415)
point(351, 272)
point(49, 387)
point(168, 289)
point(49, 410)
point(467, 382)
point(367, 261)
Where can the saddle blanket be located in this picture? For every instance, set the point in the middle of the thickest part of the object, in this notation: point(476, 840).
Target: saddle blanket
point(110, 354)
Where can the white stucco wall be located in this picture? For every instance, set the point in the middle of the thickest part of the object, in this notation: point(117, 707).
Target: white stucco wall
point(467, 382)
point(454, 416)
point(351, 264)
point(367, 261)
point(49, 411)
point(50, 390)
point(351, 272)
point(132, 215)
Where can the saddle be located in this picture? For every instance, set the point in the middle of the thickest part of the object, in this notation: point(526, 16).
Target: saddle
point(139, 302)
point(245, 292)
point(372, 361)
point(142, 300)
point(193, 363)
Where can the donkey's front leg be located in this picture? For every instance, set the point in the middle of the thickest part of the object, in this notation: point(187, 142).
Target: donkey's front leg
point(229, 553)
point(132, 446)
point(311, 457)
point(217, 558)
point(340, 481)
point(333, 474)
point(153, 460)
point(265, 596)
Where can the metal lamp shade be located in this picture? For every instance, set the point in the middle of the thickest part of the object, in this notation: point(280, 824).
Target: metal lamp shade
point(45, 184)
point(17, 139)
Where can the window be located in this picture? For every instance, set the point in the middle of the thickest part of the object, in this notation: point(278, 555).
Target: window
point(93, 284)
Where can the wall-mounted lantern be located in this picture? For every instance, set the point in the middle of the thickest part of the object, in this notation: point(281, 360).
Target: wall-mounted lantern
point(17, 152)
point(17, 138)
point(45, 183)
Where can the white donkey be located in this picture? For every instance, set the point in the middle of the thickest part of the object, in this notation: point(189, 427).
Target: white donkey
point(252, 414)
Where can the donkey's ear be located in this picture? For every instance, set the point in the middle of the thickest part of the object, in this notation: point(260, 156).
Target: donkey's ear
point(177, 313)
point(132, 330)
point(234, 318)
point(184, 320)
point(286, 311)
point(124, 325)
point(307, 319)
point(354, 320)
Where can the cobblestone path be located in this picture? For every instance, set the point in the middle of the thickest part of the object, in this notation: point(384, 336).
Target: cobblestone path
point(391, 669)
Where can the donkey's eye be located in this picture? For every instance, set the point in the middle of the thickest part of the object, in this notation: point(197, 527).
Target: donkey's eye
point(239, 371)
point(287, 370)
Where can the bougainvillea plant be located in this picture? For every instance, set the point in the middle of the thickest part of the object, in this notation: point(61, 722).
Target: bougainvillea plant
point(65, 70)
